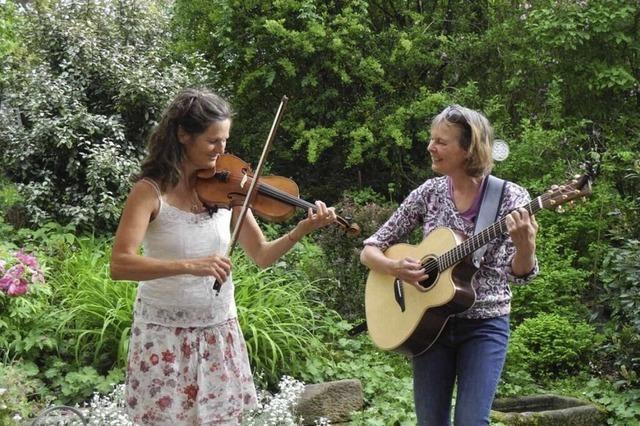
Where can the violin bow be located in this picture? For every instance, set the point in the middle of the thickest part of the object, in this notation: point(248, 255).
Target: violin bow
point(256, 174)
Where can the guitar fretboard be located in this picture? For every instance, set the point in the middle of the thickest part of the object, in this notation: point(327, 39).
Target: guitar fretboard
point(468, 246)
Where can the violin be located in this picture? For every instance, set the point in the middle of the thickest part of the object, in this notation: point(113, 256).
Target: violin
point(275, 198)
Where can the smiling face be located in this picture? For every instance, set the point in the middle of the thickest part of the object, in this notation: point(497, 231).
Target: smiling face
point(447, 155)
point(202, 151)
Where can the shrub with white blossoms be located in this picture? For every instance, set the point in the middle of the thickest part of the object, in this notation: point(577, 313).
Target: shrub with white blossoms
point(273, 410)
point(279, 409)
point(104, 410)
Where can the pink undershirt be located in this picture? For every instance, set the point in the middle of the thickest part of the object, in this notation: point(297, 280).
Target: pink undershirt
point(472, 212)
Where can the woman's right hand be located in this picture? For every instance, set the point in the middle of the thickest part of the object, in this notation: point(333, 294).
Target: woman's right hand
point(410, 271)
point(216, 266)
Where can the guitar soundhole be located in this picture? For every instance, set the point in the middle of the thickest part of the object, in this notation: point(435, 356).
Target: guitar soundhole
point(431, 267)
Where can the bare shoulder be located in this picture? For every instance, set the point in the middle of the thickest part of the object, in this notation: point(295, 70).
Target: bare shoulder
point(144, 197)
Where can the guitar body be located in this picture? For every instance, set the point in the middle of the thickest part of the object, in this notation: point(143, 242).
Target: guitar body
point(403, 319)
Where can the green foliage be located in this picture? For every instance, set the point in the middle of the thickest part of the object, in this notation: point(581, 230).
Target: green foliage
point(516, 381)
point(623, 408)
point(9, 194)
point(619, 299)
point(556, 78)
point(8, 39)
point(345, 293)
point(386, 401)
point(17, 389)
point(73, 384)
point(78, 107)
point(560, 286)
point(344, 110)
point(20, 394)
point(551, 345)
point(280, 316)
point(95, 311)
point(620, 278)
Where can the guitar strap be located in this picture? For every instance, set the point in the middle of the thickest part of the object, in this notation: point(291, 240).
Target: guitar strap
point(488, 212)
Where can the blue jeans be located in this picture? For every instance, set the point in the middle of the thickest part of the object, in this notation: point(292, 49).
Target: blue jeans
point(471, 351)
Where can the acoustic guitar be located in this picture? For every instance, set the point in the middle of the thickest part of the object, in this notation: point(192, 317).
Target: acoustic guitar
point(403, 319)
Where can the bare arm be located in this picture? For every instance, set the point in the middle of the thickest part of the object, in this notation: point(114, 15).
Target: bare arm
point(126, 264)
point(265, 253)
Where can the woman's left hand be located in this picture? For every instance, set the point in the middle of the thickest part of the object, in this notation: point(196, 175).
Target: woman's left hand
point(523, 229)
point(323, 216)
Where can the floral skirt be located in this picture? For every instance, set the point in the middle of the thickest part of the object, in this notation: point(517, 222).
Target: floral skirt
point(188, 376)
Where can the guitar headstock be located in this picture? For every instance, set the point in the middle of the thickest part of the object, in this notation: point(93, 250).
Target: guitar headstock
point(577, 188)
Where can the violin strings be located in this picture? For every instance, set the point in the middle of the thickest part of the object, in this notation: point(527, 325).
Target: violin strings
point(277, 194)
point(285, 197)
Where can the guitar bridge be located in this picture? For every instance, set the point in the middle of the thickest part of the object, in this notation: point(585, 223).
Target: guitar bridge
point(398, 292)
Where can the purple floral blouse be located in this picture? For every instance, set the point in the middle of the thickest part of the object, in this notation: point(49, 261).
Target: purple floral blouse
point(431, 206)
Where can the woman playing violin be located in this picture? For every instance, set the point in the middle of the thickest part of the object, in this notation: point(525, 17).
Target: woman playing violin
point(188, 362)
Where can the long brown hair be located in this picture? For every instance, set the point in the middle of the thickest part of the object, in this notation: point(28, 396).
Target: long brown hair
point(194, 110)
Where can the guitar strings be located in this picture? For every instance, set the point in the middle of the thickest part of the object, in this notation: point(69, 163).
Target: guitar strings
point(434, 265)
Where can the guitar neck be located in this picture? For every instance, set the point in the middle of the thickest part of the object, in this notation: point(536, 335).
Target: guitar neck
point(491, 232)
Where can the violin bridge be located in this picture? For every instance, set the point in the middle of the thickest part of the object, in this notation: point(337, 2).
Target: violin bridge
point(244, 181)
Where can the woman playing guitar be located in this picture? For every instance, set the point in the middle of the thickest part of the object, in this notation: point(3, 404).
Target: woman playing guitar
point(472, 345)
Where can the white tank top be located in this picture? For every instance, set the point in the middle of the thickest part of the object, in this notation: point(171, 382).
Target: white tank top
point(185, 300)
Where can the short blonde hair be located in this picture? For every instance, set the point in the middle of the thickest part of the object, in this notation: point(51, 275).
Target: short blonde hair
point(476, 137)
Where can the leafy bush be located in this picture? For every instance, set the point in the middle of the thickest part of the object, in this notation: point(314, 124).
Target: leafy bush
point(386, 401)
point(559, 288)
point(20, 393)
point(515, 381)
point(77, 110)
point(623, 407)
point(341, 259)
point(620, 276)
point(70, 383)
point(619, 299)
point(550, 345)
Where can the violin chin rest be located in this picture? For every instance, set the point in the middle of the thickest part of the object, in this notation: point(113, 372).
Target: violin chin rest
point(207, 173)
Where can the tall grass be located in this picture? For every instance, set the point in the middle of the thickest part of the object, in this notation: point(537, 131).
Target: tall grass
point(283, 322)
point(94, 311)
point(280, 316)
